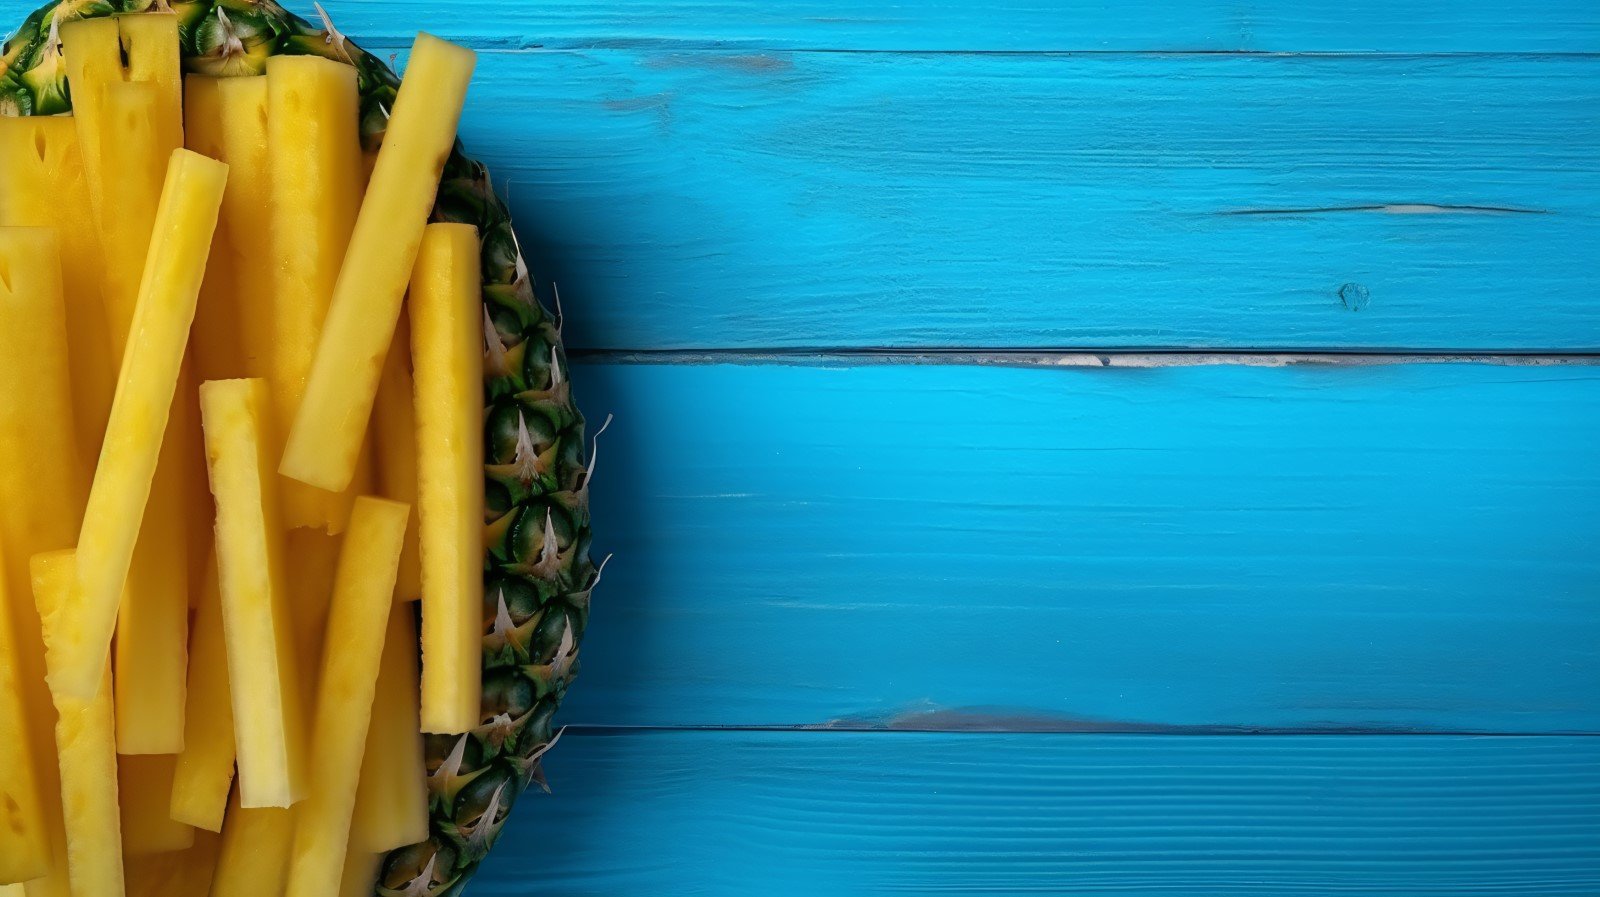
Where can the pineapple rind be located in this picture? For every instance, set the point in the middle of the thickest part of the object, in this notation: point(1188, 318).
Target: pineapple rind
point(531, 650)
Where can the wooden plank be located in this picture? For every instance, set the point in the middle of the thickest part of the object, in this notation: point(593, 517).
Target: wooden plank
point(1404, 26)
point(693, 200)
point(714, 813)
point(1405, 547)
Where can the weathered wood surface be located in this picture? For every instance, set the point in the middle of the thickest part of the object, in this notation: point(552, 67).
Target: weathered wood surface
point(1405, 547)
point(696, 813)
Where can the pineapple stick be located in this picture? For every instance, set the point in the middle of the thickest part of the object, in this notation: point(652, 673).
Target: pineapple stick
point(254, 859)
point(145, 786)
point(150, 44)
point(41, 501)
point(314, 149)
point(394, 420)
point(392, 800)
point(204, 772)
point(243, 109)
point(362, 599)
point(85, 740)
point(134, 117)
point(263, 668)
point(313, 561)
point(43, 186)
point(25, 850)
point(145, 392)
point(183, 874)
point(446, 341)
point(217, 329)
point(325, 440)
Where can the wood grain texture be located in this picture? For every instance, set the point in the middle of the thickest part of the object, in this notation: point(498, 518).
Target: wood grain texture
point(1404, 26)
point(721, 813)
point(777, 199)
point(1405, 547)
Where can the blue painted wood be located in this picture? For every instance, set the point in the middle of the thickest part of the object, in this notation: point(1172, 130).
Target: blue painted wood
point(722, 813)
point(1405, 26)
point(1398, 547)
point(781, 199)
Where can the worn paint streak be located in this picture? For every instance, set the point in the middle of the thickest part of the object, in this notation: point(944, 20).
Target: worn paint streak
point(1404, 208)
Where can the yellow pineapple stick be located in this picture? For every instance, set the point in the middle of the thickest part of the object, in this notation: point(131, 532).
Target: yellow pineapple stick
point(244, 111)
point(25, 850)
point(314, 149)
point(150, 43)
point(183, 874)
point(392, 800)
point(362, 598)
point(41, 501)
point(217, 328)
point(43, 186)
point(446, 341)
point(313, 560)
point(394, 420)
point(255, 850)
point(325, 440)
point(132, 118)
point(204, 772)
point(145, 786)
point(145, 392)
point(85, 740)
point(263, 667)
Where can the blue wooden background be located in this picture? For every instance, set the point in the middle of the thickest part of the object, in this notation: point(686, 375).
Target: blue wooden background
point(930, 577)
point(1067, 446)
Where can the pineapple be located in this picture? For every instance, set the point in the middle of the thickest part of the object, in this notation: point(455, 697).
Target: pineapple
point(537, 571)
point(314, 154)
point(139, 414)
point(394, 424)
point(204, 772)
point(25, 851)
point(392, 800)
point(445, 336)
point(43, 186)
point(263, 666)
point(41, 505)
point(85, 740)
point(145, 788)
point(325, 439)
point(362, 598)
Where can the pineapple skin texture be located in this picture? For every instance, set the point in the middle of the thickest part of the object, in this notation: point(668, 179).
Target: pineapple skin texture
point(538, 580)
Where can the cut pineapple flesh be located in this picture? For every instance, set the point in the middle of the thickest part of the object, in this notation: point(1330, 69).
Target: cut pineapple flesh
point(25, 850)
point(41, 499)
point(392, 799)
point(263, 663)
point(314, 150)
point(216, 348)
point(363, 596)
point(145, 788)
point(254, 858)
point(204, 772)
point(42, 185)
point(325, 440)
point(220, 229)
point(85, 739)
point(446, 340)
point(146, 388)
point(242, 107)
point(394, 427)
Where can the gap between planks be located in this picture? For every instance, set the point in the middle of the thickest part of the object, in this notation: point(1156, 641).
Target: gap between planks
point(388, 43)
point(1076, 358)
